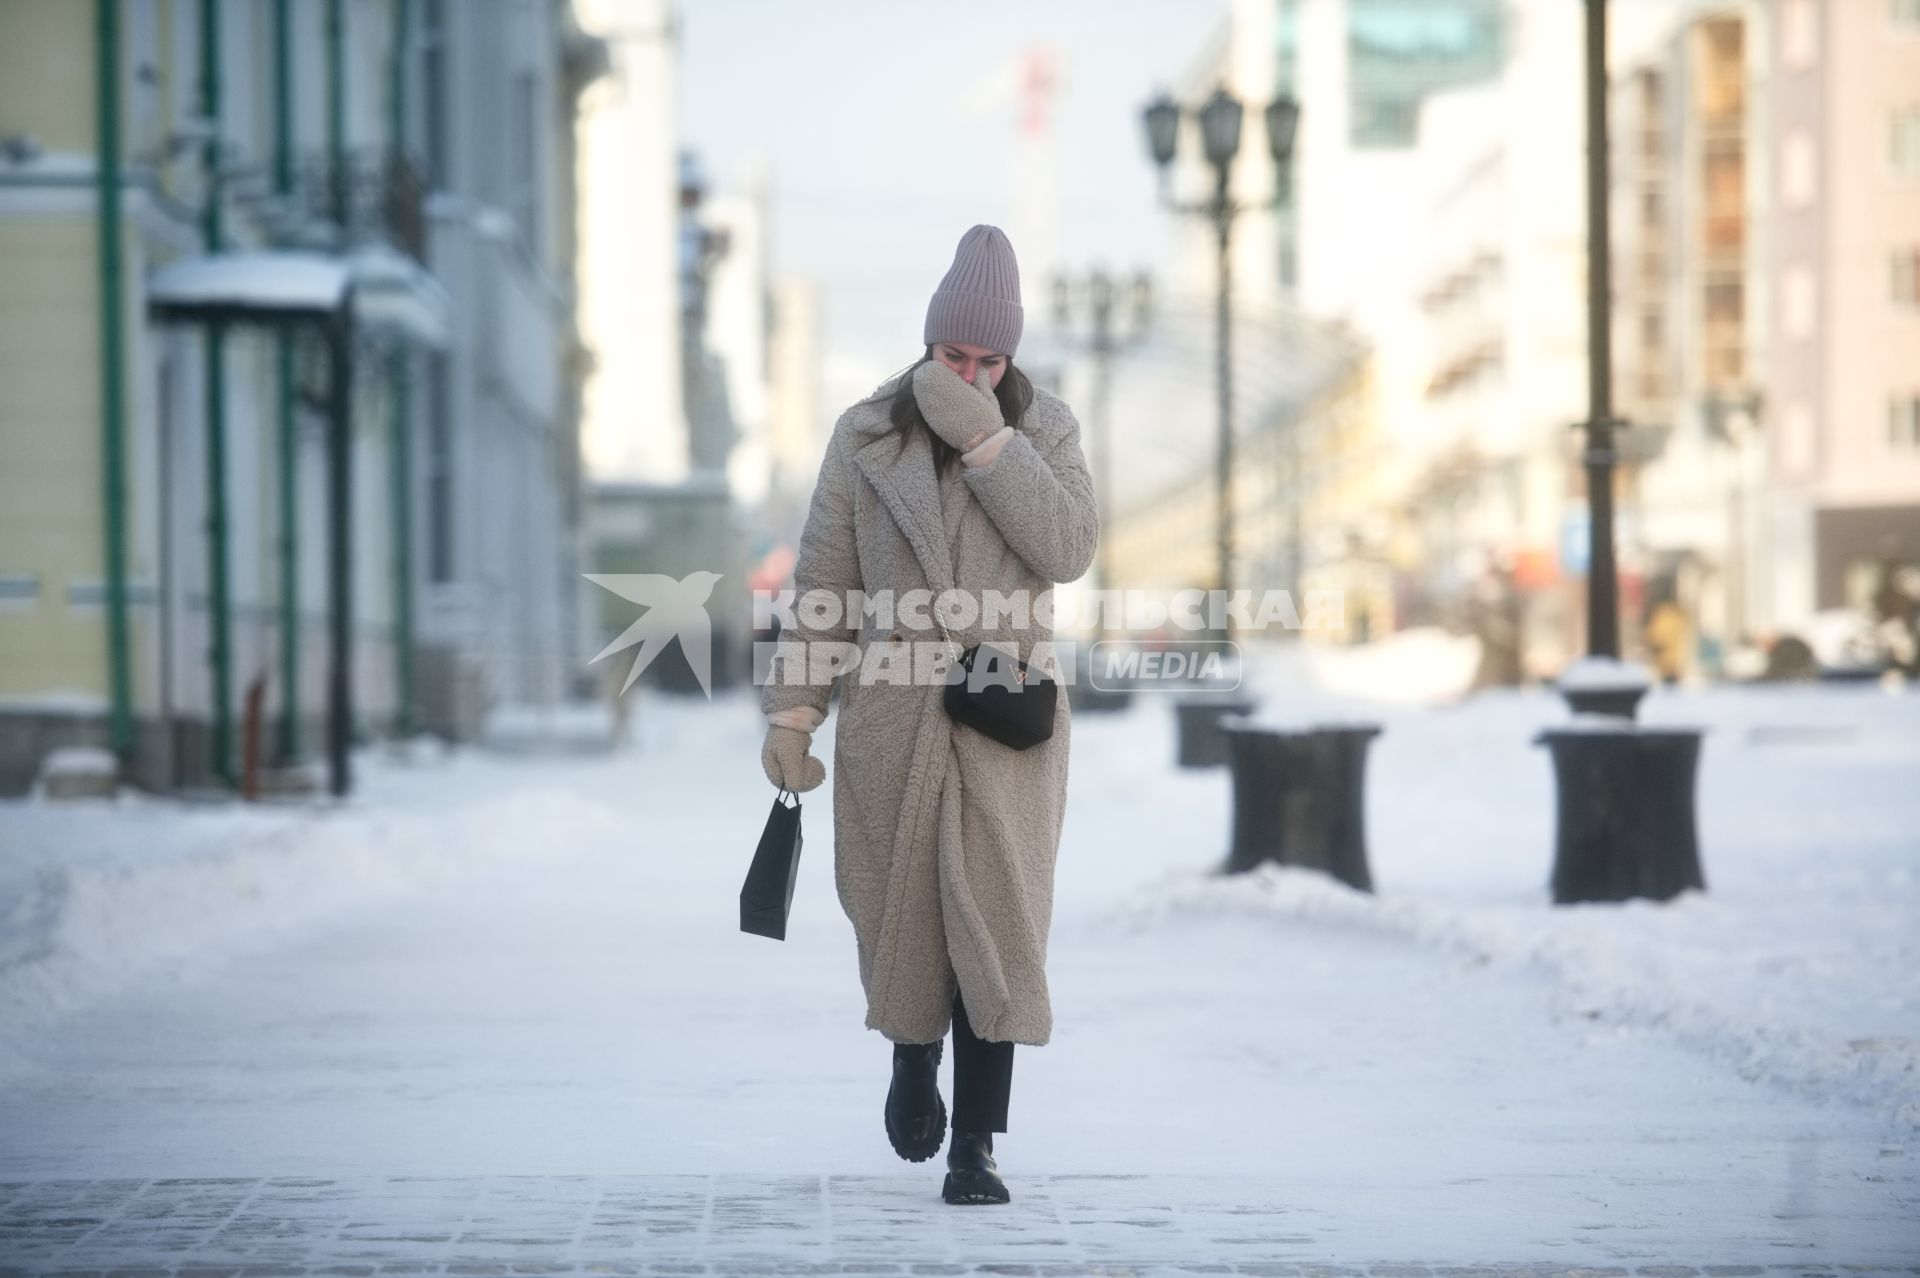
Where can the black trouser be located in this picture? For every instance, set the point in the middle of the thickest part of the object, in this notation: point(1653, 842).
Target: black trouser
point(982, 1077)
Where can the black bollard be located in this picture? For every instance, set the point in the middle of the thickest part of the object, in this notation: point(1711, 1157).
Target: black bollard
point(1299, 798)
point(1199, 742)
point(1625, 818)
point(1342, 754)
point(1267, 767)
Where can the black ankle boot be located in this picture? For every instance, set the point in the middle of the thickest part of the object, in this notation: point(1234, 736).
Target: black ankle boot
point(972, 1175)
point(916, 1115)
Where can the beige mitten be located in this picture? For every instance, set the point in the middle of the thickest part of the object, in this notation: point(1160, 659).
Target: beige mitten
point(962, 415)
point(786, 762)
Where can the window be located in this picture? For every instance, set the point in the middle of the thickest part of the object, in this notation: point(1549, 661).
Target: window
point(1724, 298)
point(1723, 178)
point(1904, 137)
point(1905, 278)
point(1799, 35)
point(1903, 423)
point(1720, 85)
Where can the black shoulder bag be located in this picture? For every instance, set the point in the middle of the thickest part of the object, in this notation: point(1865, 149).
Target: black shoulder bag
point(1000, 695)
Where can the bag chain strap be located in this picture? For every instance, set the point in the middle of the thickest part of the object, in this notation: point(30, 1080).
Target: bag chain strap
point(934, 613)
point(952, 656)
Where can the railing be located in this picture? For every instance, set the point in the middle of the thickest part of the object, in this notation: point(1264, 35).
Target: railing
point(382, 192)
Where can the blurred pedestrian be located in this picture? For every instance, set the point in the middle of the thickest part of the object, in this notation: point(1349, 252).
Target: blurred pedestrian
point(1669, 640)
point(956, 474)
point(1896, 613)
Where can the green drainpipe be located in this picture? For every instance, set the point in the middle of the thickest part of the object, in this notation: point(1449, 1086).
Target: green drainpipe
point(398, 370)
point(289, 434)
point(337, 114)
point(219, 605)
point(113, 423)
point(402, 384)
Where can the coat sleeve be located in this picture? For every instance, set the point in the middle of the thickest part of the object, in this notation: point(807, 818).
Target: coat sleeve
point(828, 561)
point(1043, 504)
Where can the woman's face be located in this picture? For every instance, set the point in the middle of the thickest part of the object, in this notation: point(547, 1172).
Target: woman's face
point(964, 360)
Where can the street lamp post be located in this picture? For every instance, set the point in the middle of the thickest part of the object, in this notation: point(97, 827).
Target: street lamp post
point(1603, 586)
point(1601, 683)
point(1624, 793)
point(1219, 120)
point(1106, 335)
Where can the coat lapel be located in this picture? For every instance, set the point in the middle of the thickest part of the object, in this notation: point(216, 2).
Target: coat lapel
point(904, 478)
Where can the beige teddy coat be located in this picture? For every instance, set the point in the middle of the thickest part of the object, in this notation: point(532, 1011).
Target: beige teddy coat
point(944, 839)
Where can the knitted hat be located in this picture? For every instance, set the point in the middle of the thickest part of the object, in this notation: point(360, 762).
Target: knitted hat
point(979, 300)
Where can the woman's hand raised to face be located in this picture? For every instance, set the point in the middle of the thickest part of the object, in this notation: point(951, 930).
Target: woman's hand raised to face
point(962, 415)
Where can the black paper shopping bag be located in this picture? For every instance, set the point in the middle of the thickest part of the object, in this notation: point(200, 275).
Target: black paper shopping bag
point(767, 894)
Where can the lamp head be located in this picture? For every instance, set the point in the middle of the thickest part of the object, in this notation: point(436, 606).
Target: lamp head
point(1220, 128)
point(1162, 119)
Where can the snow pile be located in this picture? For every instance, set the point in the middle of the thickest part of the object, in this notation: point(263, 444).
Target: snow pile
point(1626, 963)
point(97, 896)
point(1796, 966)
point(1412, 668)
point(78, 772)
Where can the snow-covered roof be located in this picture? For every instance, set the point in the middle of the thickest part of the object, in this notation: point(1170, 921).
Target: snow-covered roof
point(274, 283)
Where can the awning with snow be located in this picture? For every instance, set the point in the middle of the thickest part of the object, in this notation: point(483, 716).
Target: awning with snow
point(390, 293)
point(265, 287)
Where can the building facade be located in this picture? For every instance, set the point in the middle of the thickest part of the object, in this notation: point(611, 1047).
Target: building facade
point(1769, 195)
point(165, 549)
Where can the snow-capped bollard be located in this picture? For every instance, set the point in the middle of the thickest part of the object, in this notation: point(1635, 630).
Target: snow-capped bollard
point(1299, 798)
point(1199, 743)
point(1605, 686)
point(1625, 821)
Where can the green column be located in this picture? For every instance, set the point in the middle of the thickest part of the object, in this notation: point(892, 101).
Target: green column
point(399, 378)
point(113, 404)
point(284, 392)
point(218, 602)
point(400, 381)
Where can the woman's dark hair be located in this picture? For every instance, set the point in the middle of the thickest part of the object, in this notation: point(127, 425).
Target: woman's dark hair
point(1015, 393)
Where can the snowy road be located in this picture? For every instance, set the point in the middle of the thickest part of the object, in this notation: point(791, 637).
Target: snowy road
point(498, 1012)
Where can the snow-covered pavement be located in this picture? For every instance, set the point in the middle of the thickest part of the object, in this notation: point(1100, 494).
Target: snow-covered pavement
point(499, 1012)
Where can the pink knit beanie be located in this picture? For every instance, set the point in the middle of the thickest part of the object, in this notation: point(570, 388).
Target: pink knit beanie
point(979, 300)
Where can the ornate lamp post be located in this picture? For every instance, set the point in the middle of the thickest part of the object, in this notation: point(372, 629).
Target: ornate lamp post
point(1625, 824)
point(1219, 119)
point(1102, 296)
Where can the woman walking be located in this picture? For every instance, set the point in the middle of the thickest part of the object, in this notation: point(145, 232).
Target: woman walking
point(962, 481)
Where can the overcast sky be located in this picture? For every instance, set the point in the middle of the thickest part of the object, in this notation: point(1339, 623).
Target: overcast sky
point(868, 115)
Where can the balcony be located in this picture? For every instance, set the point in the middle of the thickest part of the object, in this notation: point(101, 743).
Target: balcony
point(383, 194)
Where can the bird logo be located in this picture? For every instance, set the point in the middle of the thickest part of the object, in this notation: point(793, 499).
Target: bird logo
point(674, 610)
